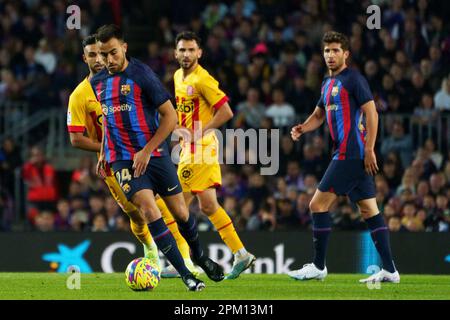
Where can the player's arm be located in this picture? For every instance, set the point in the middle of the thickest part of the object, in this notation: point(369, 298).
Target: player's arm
point(221, 116)
point(167, 121)
point(314, 121)
point(209, 89)
point(370, 160)
point(80, 141)
point(101, 157)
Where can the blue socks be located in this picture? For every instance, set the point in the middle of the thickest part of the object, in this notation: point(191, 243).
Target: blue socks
point(167, 244)
point(380, 236)
point(189, 232)
point(321, 233)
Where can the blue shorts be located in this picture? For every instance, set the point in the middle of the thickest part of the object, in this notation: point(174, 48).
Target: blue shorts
point(160, 176)
point(348, 177)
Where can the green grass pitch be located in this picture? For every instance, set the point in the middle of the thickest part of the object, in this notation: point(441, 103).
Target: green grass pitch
point(18, 286)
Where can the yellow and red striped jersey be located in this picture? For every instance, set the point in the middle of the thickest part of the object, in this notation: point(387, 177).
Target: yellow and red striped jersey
point(84, 112)
point(197, 97)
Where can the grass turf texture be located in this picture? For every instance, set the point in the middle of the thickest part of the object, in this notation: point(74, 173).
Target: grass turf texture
point(19, 286)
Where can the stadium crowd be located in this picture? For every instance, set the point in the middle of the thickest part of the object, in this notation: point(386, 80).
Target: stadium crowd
point(267, 57)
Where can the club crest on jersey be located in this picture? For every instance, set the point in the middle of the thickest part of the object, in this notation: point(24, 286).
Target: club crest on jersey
point(190, 90)
point(105, 109)
point(335, 91)
point(126, 188)
point(125, 89)
point(332, 107)
point(186, 174)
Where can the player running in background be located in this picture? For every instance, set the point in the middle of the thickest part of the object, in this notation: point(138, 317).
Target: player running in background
point(202, 106)
point(137, 118)
point(84, 115)
point(347, 104)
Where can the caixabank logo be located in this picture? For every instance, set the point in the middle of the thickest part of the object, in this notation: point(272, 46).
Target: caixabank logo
point(113, 257)
point(67, 257)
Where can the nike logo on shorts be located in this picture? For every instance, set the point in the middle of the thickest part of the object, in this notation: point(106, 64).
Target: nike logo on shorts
point(171, 189)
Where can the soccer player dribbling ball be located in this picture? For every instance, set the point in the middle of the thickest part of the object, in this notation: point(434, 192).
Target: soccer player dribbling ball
point(137, 118)
point(84, 114)
point(346, 103)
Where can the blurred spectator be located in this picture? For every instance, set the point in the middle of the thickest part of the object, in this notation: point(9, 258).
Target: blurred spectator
point(425, 113)
point(348, 219)
point(437, 183)
point(247, 208)
point(40, 178)
point(79, 220)
point(122, 224)
point(395, 225)
point(280, 112)
point(265, 219)
point(250, 112)
point(400, 143)
point(45, 221)
point(257, 189)
point(294, 176)
point(302, 209)
point(45, 56)
point(442, 97)
point(10, 159)
point(286, 219)
point(112, 211)
point(288, 153)
point(213, 13)
point(99, 223)
point(409, 220)
point(62, 217)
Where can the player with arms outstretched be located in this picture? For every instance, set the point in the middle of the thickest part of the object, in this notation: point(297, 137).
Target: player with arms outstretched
point(137, 118)
point(346, 103)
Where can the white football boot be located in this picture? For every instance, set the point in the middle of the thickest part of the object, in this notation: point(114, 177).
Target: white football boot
point(382, 276)
point(240, 264)
point(308, 272)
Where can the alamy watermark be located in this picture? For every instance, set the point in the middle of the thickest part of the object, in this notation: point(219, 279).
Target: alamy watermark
point(373, 269)
point(374, 20)
point(73, 281)
point(74, 20)
point(237, 147)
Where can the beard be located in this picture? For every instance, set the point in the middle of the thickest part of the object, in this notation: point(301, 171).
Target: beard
point(187, 64)
point(117, 67)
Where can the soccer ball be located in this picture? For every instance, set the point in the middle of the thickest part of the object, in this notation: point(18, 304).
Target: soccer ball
point(142, 274)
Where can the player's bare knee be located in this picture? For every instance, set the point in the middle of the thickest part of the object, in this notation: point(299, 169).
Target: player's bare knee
point(315, 206)
point(137, 216)
point(149, 213)
point(180, 212)
point(208, 207)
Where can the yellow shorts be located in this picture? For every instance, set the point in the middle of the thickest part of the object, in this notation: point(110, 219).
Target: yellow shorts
point(119, 196)
point(196, 178)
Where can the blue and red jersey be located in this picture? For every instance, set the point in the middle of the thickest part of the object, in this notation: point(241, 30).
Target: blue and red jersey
point(342, 97)
point(130, 101)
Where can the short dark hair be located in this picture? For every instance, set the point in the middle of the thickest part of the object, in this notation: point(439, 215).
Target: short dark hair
point(90, 39)
point(187, 35)
point(107, 32)
point(333, 36)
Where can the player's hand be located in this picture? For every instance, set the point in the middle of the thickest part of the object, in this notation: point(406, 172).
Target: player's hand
point(296, 132)
point(140, 162)
point(100, 170)
point(370, 162)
